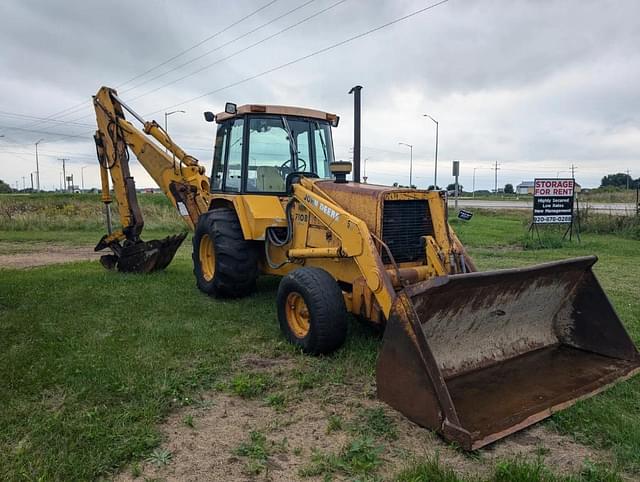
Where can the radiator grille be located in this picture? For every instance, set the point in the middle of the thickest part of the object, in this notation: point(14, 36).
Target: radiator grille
point(403, 223)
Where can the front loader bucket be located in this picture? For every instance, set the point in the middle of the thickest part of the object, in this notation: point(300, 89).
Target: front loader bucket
point(143, 256)
point(479, 356)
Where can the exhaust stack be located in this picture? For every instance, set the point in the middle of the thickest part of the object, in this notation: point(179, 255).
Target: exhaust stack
point(356, 131)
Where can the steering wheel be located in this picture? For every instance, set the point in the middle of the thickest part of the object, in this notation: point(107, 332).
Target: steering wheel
point(286, 166)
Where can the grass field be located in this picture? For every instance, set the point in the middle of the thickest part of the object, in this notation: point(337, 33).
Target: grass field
point(91, 362)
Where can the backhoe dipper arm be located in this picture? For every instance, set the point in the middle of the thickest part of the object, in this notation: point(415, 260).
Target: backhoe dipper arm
point(178, 174)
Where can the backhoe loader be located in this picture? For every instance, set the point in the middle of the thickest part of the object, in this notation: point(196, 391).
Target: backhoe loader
point(473, 355)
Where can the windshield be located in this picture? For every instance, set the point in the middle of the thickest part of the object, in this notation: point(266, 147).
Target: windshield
point(277, 146)
point(281, 145)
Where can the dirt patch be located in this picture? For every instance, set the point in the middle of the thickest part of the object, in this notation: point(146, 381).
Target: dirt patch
point(203, 440)
point(16, 256)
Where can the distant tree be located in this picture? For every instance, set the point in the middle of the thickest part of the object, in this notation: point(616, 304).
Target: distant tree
point(452, 187)
point(619, 179)
point(508, 188)
point(431, 188)
point(4, 187)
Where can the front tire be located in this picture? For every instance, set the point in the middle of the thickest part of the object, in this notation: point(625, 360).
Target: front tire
point(224, 263)
point(311, 311)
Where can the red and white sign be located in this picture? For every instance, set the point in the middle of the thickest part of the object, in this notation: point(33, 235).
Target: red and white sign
point(553, 187)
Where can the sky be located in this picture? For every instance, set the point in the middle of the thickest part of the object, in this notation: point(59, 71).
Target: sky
point(536, 86)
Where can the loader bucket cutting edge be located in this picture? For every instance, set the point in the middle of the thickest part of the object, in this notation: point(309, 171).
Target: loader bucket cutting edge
point(479, 356)
point(144, 256)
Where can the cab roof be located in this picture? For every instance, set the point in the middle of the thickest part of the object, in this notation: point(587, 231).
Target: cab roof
point(277, 110)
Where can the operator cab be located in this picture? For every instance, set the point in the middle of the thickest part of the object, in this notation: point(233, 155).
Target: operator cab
point(258, 146)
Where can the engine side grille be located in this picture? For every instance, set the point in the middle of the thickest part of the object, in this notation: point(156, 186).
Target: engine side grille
point(403, 223)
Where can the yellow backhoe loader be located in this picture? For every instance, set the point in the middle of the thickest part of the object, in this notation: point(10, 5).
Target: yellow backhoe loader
point(473, 355)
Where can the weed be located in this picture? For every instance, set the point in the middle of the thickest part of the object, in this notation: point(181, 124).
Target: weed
point(188, 421)
point(297, 451)
point(334, 423)
point(251, 385)
point(308, 379)
point(160, 457)
point(136, 470)
point(276, 400)
point(374, 422)
point(256, 450)
point(360, 457)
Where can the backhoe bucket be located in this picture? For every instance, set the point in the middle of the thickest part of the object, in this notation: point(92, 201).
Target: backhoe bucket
point(143, 256)
point(479, 356)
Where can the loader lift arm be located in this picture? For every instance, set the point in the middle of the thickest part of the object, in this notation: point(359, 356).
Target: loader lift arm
point(180, 176)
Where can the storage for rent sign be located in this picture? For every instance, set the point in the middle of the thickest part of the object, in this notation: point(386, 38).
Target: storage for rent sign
point(553, 201)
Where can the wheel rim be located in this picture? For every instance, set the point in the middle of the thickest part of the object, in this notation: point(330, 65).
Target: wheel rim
point(297, 314)
point(207, 258)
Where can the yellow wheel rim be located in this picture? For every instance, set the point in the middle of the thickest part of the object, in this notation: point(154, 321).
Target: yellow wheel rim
point(297, 314)
point(207, 258)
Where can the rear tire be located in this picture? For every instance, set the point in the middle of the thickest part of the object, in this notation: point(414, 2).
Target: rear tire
point(224, 263)
point(311, 311)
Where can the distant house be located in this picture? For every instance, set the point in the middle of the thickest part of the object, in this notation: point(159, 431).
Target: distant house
point(526, 187)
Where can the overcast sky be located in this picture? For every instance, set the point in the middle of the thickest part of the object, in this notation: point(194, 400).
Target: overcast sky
point(535, 86)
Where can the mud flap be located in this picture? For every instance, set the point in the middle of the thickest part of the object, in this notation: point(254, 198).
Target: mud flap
point(481, 355)
point(142, 256)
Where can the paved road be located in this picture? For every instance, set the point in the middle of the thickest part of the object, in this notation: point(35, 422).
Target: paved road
point(614, 208)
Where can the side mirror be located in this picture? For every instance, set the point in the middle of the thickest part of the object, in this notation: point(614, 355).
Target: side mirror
point(340, 169)
point(209, 117)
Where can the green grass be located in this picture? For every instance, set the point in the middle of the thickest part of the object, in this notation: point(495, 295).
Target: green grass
point(510, 470)
point(78, 212)
point(92, 361)
point(359, 457)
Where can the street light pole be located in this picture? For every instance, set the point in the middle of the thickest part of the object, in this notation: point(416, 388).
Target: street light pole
point(473, 188)
point(167, 114)
point(82, 177)
point(37, 165)
point(410, 146)
point(435, 169)
point(364, 170)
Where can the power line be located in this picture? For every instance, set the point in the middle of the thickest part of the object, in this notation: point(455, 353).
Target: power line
point(40, 132)
point(75, 108)
point(33, 117)
point(237, 52)
point(208, 52)
point(305, 57)
point(189, 49)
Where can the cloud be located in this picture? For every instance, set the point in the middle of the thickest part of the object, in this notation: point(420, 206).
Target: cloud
point(534, 85)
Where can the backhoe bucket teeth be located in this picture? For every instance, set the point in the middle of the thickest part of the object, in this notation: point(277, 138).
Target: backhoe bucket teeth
point(479, 356)
point(144, 256)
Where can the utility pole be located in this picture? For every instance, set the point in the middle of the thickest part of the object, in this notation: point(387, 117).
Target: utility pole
point(32, 182)
point(64, 172)
point(628, 177)
point(24, 184)
point(496, 168)
point(573, 171)
point(38, 166)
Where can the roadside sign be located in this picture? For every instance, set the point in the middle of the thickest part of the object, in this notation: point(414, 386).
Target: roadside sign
point(465, 215)
point(553, 201)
